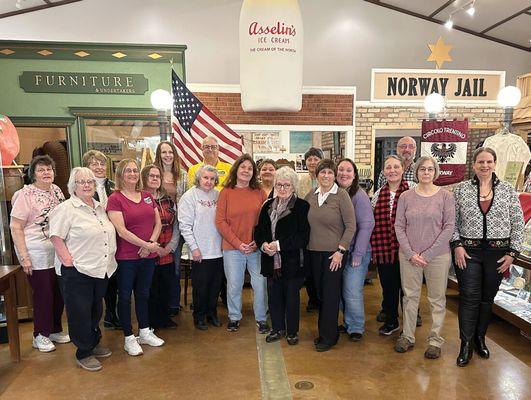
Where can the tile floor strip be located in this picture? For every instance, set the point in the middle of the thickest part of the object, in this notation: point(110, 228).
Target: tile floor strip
point(273, 375)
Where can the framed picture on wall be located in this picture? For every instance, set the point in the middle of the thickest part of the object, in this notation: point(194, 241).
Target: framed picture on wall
point(300, 142)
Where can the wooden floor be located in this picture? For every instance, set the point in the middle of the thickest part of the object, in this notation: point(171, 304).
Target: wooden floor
point(217, 364)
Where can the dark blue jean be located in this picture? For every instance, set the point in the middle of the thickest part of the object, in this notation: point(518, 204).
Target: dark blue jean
point(175, 279)
point(134, 276)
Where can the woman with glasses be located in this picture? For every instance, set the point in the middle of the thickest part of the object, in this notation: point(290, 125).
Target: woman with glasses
point(424, 224)
point(163, 277)
point(85, 244)
point(135, 216)
point(30, 232)
point(96, 161)
point(282, 235)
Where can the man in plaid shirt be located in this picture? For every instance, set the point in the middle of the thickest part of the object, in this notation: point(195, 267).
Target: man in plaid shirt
point(405, 148)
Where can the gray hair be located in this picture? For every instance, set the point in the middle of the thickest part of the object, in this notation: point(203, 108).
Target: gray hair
point(288, 174)
point(84, 171)
point(395, 157)
point(205, 168)
point(420, 161)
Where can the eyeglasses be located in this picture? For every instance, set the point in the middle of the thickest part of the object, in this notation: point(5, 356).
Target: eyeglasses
point(98, 164)
point(152, 176)
point(407, 146)
point(84, 182)
point(130, 171)
point(429, 169)
point(210, 147)
point(285, 186)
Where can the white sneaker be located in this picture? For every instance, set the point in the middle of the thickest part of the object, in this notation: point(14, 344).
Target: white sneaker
point(59, 337)
point(43, 344)
point(146, 336)
point(132, 347)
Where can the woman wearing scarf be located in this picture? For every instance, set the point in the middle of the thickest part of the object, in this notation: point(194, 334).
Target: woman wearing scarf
point(384, 243)
point(282, 234)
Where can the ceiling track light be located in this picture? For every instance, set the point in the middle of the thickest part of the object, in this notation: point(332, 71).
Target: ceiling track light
point(449, 24)
point(469, 8)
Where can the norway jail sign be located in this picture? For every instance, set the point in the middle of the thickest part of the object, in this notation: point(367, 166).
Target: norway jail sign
point(408, 86)
point(88, 83)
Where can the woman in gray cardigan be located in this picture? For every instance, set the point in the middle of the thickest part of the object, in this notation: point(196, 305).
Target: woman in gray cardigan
point(332, 226)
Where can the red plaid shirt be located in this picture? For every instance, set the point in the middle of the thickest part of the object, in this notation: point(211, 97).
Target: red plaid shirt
point(168, 217)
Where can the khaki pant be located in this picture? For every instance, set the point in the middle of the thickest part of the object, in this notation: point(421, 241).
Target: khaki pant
point(436, 274)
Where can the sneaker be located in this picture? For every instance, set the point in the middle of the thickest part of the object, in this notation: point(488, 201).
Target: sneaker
point(275, 336)
point(201, 325)
point(112, 322)
point(43, 344)
point(146, 336)
point(233, 326)
point(381, 316)
point(132, 347)
point(419, 320)
point(101, 352)
point(89, 363)
point(59, 337)
point(355, 336)
point(388, 329)
point(320, 347)
point(432, 352)
point(292, 340)
point(403, 344)
point(263, 327)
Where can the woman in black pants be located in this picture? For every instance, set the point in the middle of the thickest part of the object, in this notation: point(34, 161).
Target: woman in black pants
point(489, 232)
point(282, 235)
point(333, 224)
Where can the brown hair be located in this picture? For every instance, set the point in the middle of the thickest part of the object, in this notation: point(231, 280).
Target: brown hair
point(144, 176)
point(356, 182)
point(324, 164)
point(176, 166)
point(480, 150)
point(93, 154)
point(40, 160)
point(232, 179)
point(266, 161)
point(120, 174)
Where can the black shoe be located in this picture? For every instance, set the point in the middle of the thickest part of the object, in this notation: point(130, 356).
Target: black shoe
point(112, 322)
point(174, 311)
point(341, 329)
point(311, 307)
point(367, 281)
point(381, 316)
point(233, 326)
point(388, 329)
point(419, 320)
point(320, 347)
point(201, 325)
point(169, 325)
point(292, 340)
point(317, 340)
point(275, 336)
point(465, 354)
point(481, 347)
point(263, 327)
point(355, 336)
point(214, 321)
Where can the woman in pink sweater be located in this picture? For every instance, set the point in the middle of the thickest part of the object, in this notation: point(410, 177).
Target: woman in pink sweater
point(425, 220)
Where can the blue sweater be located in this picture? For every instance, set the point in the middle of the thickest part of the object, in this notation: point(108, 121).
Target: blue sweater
point(364, 224)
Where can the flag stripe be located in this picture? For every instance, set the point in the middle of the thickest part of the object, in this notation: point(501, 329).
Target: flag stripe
point(205, 127)
point(190, 154)
point(222, 125)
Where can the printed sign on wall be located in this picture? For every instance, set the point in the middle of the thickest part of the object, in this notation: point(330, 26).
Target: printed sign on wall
point(447, 142)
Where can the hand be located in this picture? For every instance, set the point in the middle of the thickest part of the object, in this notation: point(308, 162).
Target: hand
point(153, 247)
point(164, 251)
point(336, 258)
point(68, 262)
point(356, 261)
point(273, 246)
point(244, 248)
point(506, 262)
point(197, 256)
point(26, 266)
point(253, 247)
point(143, 252)
point(460, 255)
point(418, 261)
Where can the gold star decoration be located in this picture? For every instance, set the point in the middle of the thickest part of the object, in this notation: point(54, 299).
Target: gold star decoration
point(440, 52)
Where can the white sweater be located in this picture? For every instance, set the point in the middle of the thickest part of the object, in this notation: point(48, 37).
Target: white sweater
point(197, 214)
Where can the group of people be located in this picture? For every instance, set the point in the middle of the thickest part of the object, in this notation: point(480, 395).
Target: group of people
point(112, 239)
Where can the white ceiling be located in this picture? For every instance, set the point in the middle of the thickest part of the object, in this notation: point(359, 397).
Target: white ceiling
point(10, 6)
point(516, 30)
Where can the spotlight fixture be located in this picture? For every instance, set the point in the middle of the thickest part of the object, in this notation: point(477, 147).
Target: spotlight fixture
point(471, 10)
point(449, 24)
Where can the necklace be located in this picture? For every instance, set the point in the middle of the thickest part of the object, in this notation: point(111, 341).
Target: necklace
point(487, 195)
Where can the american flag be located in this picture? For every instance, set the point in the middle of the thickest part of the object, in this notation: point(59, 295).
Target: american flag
point(191, 122)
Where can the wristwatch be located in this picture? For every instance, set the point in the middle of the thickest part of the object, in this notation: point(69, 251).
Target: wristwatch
point(339, 250)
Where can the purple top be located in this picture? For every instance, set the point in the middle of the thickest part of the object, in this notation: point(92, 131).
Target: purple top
point(139, 218)
point(424, 224)
point(364, 224)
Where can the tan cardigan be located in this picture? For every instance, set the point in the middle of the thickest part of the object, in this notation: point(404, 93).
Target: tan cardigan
point(332, 224)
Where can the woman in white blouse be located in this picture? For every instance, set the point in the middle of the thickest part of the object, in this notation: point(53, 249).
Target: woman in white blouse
point(85, 245)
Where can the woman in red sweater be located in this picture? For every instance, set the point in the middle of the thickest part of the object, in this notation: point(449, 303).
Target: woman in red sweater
point(238, 207)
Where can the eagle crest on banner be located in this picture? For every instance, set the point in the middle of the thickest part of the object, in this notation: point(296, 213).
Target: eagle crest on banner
point(443, 151)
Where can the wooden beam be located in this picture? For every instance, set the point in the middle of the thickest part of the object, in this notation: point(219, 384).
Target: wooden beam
point(503, 21)
point(37, 8)
point(456, 27)
point(437, 11)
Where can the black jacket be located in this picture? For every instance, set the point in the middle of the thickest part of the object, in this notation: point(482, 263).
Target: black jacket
point(109, 189)
point(293, 234)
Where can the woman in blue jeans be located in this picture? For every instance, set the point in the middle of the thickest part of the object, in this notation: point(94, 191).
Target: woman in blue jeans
point(359, 257)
